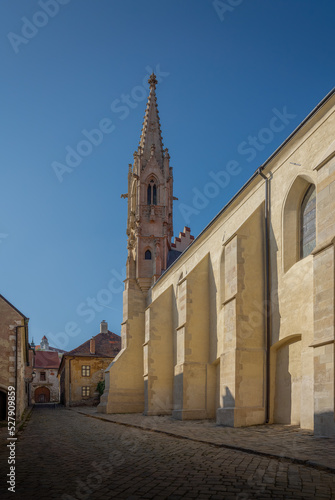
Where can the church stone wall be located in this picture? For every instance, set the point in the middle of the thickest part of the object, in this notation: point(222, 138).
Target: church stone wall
point(302, 302)
point(203, 323)
point(159, 355)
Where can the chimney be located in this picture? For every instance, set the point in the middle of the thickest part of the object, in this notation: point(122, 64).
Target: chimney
point(103, 326)
point(92, 346)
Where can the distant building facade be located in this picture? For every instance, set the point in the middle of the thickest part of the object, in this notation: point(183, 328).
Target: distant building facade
point(83, 368)
point(14, 357)
point(240, 325)
point(45, 384)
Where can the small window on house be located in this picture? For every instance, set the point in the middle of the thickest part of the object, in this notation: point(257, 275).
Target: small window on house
point(147, 255)
point(42, 377)
point(308, 222)
point(85, 391)
point(85, 370)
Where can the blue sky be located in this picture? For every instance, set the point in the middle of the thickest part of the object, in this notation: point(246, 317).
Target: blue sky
point(226, 69)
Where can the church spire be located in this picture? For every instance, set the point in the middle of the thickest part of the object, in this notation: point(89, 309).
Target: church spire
point(151, 136)
point(150, 202)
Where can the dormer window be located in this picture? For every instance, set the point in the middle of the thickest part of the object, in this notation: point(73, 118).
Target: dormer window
point(152, 193)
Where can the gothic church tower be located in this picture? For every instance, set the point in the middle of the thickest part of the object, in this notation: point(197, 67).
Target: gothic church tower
point(150, 200)
point(149, 231)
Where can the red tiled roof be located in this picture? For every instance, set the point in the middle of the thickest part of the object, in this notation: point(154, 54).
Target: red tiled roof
point(46, 359)
point(107, 345)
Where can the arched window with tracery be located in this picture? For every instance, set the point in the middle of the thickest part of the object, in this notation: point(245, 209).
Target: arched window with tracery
point(147, 255)
point(299, 221)
point(308, 222)
point(152, 193)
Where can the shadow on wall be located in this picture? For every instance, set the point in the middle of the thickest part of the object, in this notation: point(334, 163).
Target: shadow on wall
point(283, 389)
point(274, 301)
point(228, 400)
point(146, 396)
point(324, 424)
point(213, 297)
point(178, 392)
point(228, 404)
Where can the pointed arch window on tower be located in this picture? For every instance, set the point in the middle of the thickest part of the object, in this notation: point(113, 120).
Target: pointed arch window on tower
point(149, 195)
point(147, 255)
point(152, 193)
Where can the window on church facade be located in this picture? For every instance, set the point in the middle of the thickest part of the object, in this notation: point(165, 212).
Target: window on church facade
point(85, 391)
point(299, 221)
point(149, 195)
point(85, 371)
point(42, 377)
point(152, 193)
point(147, 255)
point(308, 222)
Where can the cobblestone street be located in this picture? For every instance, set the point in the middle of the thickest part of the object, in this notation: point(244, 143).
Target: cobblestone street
point(63, 454)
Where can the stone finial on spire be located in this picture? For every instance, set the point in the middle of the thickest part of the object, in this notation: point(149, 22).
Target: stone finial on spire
point(152, 80)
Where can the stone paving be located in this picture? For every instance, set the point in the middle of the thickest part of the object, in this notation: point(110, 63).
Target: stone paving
point(63, 454)
point(282, 441)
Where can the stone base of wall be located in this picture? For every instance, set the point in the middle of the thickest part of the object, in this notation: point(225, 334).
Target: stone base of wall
point(121, 407)
point(153, 413)
point(324, 424)
point(240, 417)
point(190, 414)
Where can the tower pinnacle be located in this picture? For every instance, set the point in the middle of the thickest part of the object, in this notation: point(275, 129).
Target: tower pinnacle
point(152, 80)
point(151, 130)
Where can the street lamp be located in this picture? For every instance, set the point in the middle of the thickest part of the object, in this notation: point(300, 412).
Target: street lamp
point(33, 375)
